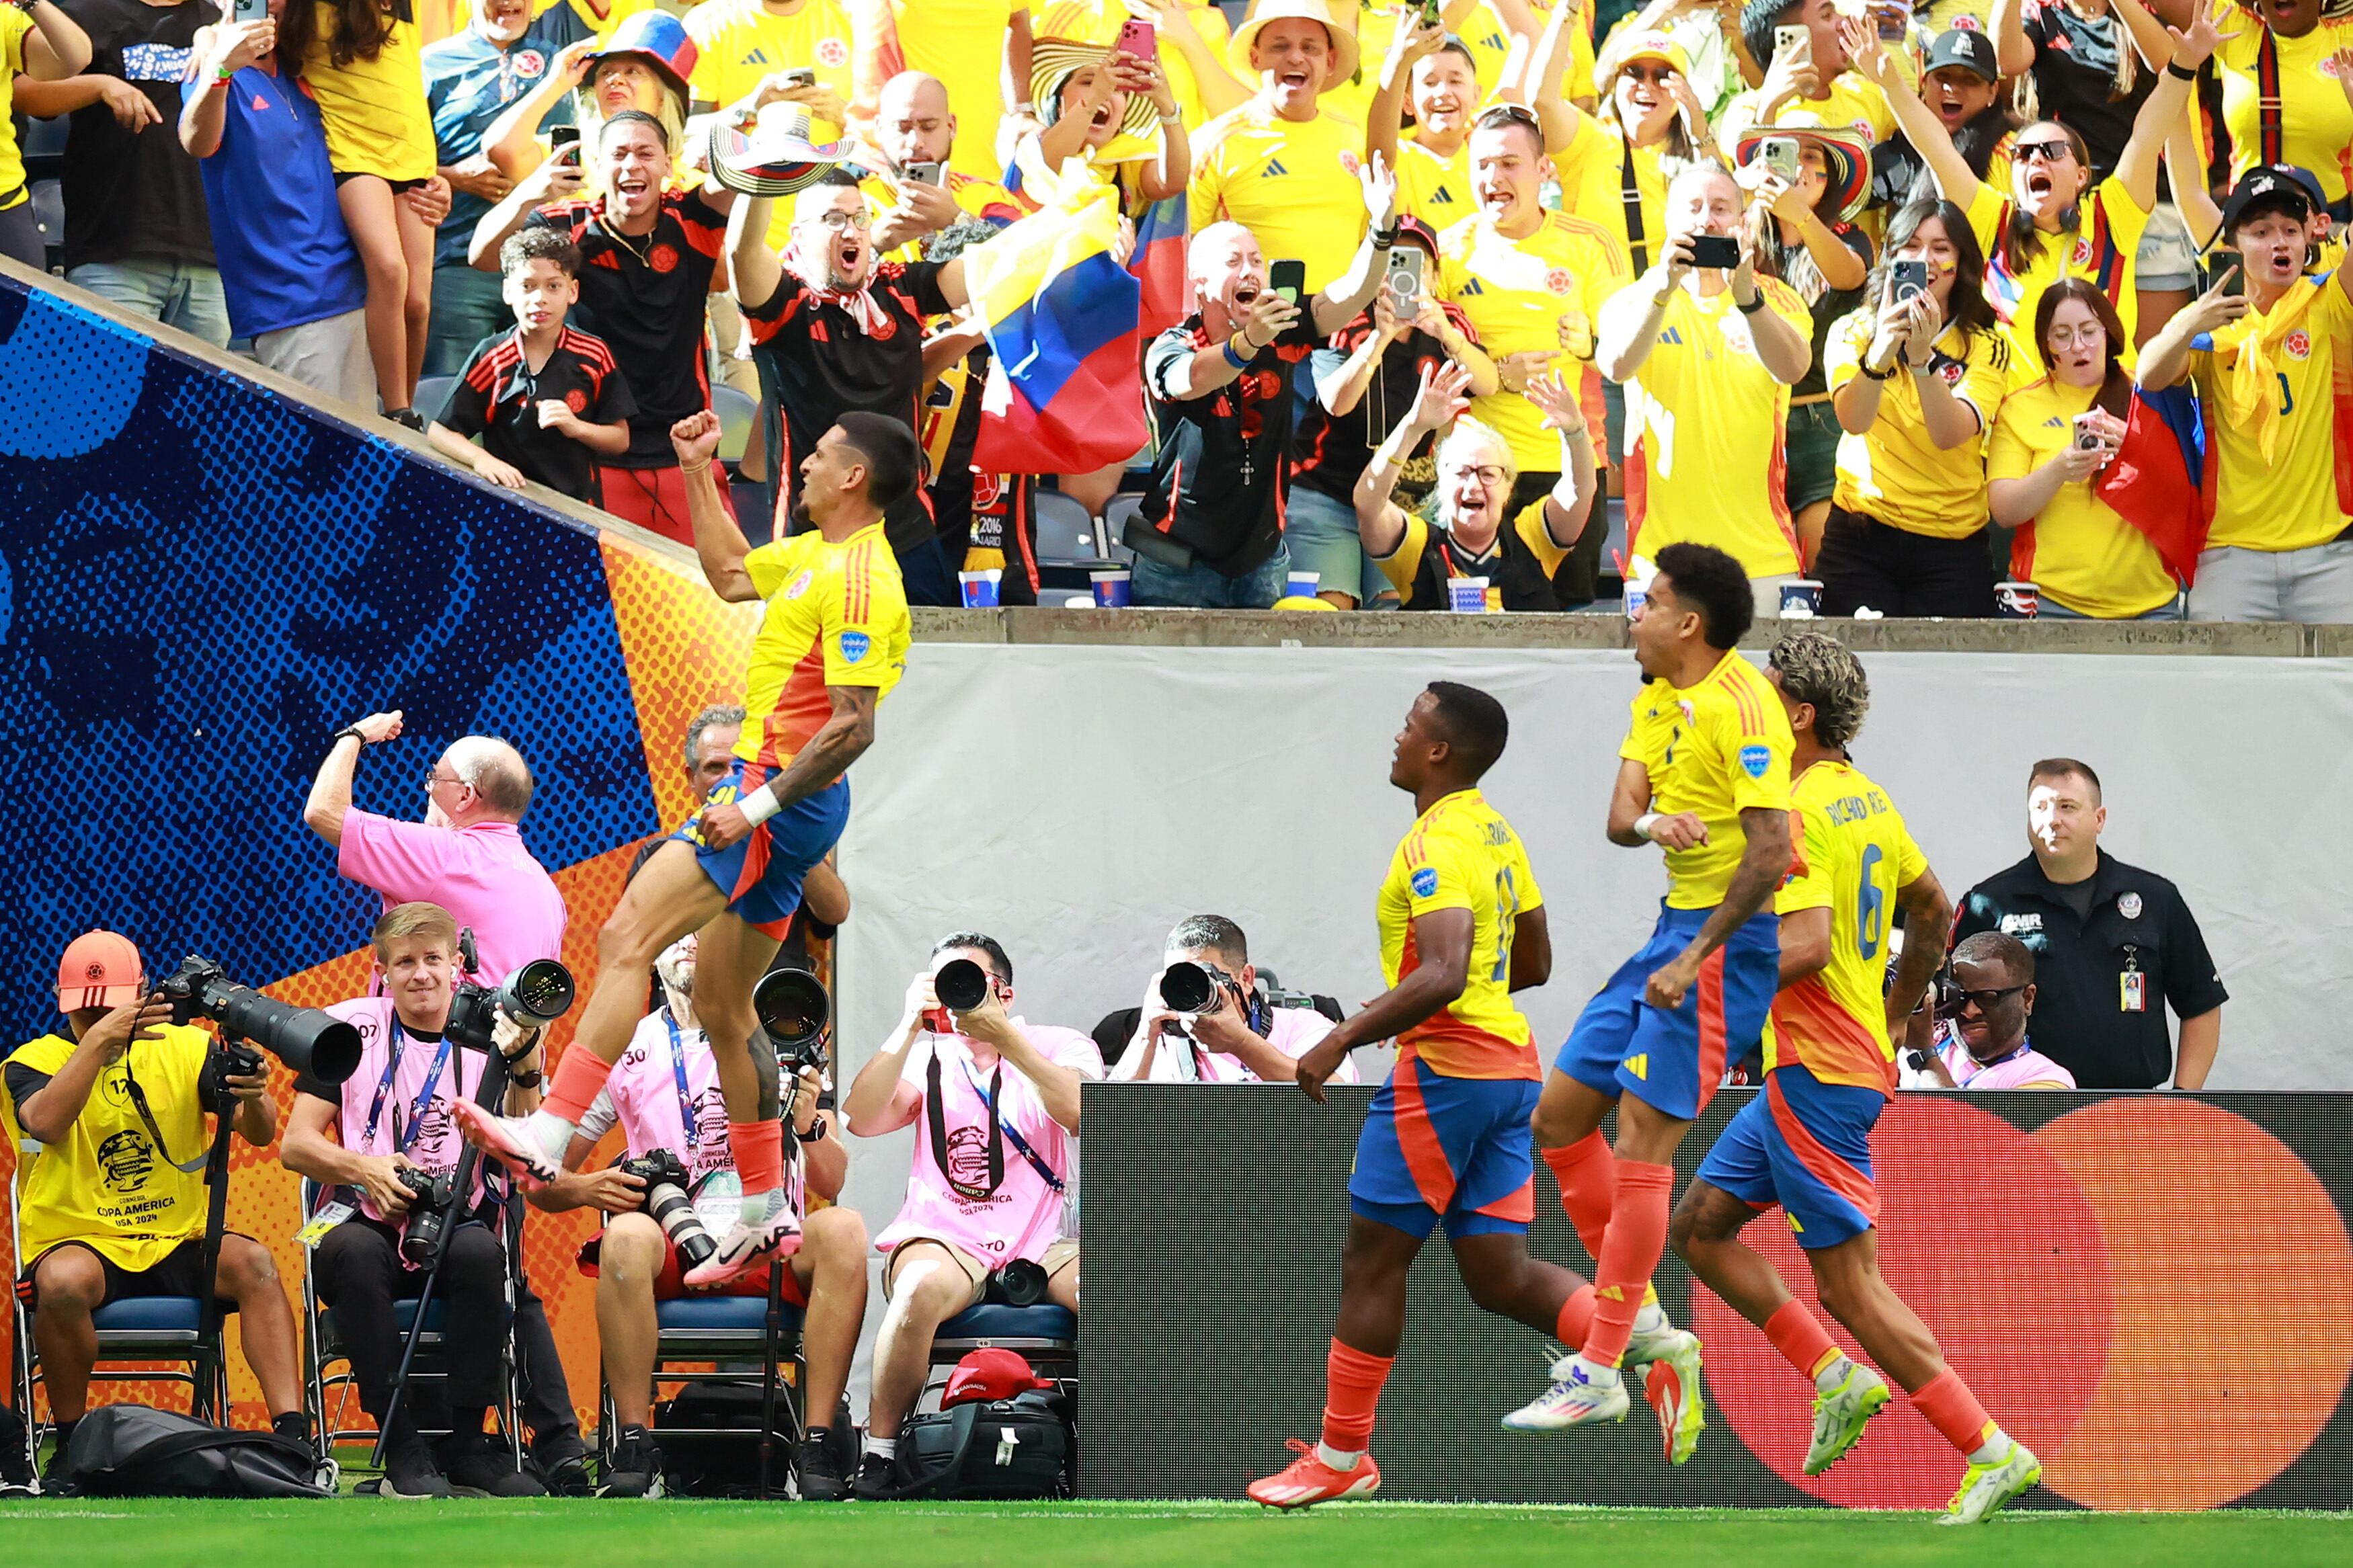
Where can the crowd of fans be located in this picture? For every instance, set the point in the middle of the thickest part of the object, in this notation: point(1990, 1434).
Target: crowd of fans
point(1865, 293)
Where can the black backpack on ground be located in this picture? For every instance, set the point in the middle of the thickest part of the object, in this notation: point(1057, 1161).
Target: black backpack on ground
point(1004, 1449)
point(137, 1450)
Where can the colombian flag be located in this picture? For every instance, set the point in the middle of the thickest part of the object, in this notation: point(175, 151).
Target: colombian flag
point(2159, 481)
point(1063, 395)
point(1159, 265)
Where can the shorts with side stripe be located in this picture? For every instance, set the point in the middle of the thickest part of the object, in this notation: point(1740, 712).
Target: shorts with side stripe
point(1437, 1148)
point(762, 873)
point(1805, 1145)
point(1673, 1061)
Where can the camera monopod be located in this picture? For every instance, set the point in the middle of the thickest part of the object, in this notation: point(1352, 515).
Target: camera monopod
point(210, 1371)
point(487, 1094)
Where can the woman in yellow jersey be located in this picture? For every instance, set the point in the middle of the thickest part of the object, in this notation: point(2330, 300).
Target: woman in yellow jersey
point(1434, 77)
point(1916, 379)
point(2055, 222)
point(1112, 112)
point(2285, 51)
point(643, 65)
point(1611, 167)
point(43, 43)
point(2051, 441)
point(360, 61)
point(1805, 235)
point(1189, 38)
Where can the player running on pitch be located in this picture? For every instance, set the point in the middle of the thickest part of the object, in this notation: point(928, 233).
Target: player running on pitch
point(1805, 1142)
point(1705, 774)
point(831, 644)
point(1463, 927)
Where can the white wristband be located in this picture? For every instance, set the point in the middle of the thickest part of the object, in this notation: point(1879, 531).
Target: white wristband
point(759, 805)
point(1644, 823)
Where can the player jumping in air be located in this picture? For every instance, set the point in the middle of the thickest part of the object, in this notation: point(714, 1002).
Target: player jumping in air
point(1463, 927)
point(831, 644)
point(1705, 774)
point(1805, 1142)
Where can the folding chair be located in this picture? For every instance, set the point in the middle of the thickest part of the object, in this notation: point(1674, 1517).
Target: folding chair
point(144, 1330)
point(321, 1350)
point(1048, 1335)
point(735, 1342)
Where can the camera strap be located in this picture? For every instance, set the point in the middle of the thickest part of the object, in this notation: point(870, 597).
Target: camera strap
point(677, 1076)
point(936, 1119)
point(406, 1136)
point(1012, 1135)
point(139, 1103)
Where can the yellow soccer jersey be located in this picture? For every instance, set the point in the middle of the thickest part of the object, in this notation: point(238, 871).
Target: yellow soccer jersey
point(2100, 250)
point(2077, 550)
point(2287, 499)
point(14, 26)
point(1463, 855)
point(1593, 186)
point(1851, 104)
point(2315, 119)
point(375, 110)
point(1705, 422)
point(1895, 472)
point(1434, 189)
point(107, 1184)
point(1517, 293)
point(1099, 22)
point(743, 43)
point(1292, 186)
point(1854, 852)
point(836, 615)
point(1716, 749)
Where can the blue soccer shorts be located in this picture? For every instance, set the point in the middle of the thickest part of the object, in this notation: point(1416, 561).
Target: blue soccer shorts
point(1805, 1145)
point(1435, 1148)
point(1673, 1061)
point(762, 873)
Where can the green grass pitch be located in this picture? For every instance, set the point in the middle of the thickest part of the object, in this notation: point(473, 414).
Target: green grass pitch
point(109, 1534)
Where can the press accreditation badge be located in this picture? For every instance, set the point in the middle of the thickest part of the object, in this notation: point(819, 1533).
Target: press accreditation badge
point(325, 1220)
point(2136, 991)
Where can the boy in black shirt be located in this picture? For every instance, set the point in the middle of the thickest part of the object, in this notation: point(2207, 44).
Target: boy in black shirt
point(547, 400)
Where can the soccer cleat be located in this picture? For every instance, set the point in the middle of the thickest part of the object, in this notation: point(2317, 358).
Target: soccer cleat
point(504, 1139)
point(1671, 1382)
point(1308, 1481)
point(746, 1244)
point(1839, 1416)
point(1573, 1400)
point(1986, 1487)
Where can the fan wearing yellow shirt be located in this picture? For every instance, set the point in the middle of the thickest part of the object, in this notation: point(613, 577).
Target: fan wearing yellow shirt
point(1611, 168)
point(2287, 51)
point(2054, 222)
point(1707, 356)
point(1434, 77)
point(913, 126)
point(976, 46)
point(1828, 81)
point(38, 41)
point(1705, 773)
point(1488, 30)
point(1281, 165)
point(1532, 283)
point(1805, 1144)
point(1915, 383)
point(2085, 559)
point(743, 43)
point(1190, 40)
point(108, 1123)
point(2271, 368)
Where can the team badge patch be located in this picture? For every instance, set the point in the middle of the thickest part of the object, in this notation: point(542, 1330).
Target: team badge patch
point(799, 585)
point(2299, 345)
point(832, 52)
point(1425, 882)
point(528, 62)
point(854, 646)
point(2129, 906)
point(1754, 759)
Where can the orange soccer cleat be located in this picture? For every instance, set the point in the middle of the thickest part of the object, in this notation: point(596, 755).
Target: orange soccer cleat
point(1308, 1481)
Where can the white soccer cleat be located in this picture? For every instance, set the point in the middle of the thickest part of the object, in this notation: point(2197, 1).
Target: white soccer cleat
point(1573, 1400)
point(1840, 1415)
point(506, 1139)
point(745, 1244)
point(1671, 1382)
point(1986, 1487)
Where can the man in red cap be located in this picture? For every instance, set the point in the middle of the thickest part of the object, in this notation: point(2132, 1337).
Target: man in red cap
point(111, 1137)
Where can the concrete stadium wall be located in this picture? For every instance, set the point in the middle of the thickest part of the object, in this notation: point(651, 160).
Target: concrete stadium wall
point(204, 570)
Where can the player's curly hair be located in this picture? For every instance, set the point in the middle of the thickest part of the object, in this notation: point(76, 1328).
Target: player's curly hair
point(1820, 670)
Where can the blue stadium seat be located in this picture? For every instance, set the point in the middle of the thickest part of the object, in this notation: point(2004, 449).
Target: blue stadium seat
point(704, 1314)
point(990, 1321)
point(149, 1315)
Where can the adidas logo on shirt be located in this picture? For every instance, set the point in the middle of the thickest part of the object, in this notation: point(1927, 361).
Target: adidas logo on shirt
point(1640, 1066)
point(758, 56)
point(1472, 287)
point(1274, 166)
point(2054, 423)
point(1441, 197)
point(1672, 335)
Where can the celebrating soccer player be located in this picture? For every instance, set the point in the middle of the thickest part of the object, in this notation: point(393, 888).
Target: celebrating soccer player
point(1805, 1142)
point(1463, 927)
point(832, 643)
point(1705, 776)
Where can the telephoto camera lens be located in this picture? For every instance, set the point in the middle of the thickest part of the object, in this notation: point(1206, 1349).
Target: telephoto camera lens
point(1187, 987)
point(961, 986)
point(792, 1005)
point(1016, 1282)
point(307, 1039)
point(668, 1205)
point(541, 990)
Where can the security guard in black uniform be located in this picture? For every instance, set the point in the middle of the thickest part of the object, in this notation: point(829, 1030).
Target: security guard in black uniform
point(2112, 945)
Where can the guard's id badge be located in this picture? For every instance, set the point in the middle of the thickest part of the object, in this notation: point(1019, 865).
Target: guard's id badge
point(2136, 991)
point(325, 1220)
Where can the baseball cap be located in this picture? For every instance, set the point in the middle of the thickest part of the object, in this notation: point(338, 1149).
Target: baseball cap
point(1971, 51)
point(2272, 187)
point(100, 968)
point(1654, 45)
point(990, 1374)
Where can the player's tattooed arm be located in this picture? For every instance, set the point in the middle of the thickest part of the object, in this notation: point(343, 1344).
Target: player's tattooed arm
point(1763, 861)
point(1443, 939)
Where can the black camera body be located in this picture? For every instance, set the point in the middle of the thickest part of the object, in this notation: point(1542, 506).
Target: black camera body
point(670, 1205)
point(431, 1197)
point(535, 995)
point(1015, 1282)
point(306, 1039)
